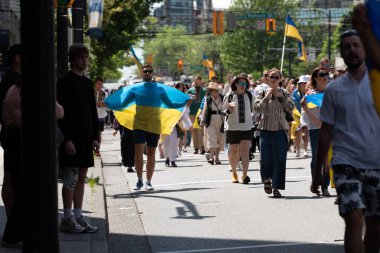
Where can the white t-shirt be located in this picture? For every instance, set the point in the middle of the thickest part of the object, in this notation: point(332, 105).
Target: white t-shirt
point(348, 105)
point(102, 112)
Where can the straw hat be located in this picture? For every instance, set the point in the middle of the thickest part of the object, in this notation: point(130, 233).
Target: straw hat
point(213, 86)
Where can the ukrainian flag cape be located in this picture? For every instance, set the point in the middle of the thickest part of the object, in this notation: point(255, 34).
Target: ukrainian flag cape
point(149, 106)
point(373, 10)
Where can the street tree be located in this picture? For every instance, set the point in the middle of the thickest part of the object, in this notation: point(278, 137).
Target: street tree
point(121, 26)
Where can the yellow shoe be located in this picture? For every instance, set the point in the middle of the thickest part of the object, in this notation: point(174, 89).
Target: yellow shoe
point(235, 178)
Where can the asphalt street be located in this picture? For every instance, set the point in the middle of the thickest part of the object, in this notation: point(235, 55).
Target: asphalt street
point(196, 208)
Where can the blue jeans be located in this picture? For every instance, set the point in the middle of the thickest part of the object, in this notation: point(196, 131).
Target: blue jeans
point(313, 137)
point(273, 152)
point(188, 141)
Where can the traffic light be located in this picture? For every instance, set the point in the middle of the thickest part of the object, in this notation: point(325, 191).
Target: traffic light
point(64, 3)
point(149, 59)
point(180, 65)
point(270, 25)
point(217, 22)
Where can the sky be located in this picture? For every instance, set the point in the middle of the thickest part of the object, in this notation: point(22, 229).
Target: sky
point(221, 4)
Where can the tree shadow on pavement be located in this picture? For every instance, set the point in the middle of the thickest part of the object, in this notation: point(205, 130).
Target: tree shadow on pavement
point(174, 244)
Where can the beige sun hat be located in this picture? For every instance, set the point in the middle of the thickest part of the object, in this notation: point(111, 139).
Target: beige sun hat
point(213, 86)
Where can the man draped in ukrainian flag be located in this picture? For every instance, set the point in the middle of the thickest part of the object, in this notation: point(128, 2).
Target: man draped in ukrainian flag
point(149, 109)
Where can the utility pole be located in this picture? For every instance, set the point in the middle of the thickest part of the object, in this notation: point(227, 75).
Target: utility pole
point(62, 41)
point(39, 150)
point(78, 15)
point(329, 42)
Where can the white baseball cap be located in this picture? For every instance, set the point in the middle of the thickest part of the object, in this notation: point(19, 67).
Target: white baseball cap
point(304, 79)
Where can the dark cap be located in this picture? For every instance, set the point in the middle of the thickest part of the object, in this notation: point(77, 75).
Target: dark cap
point(348, 33)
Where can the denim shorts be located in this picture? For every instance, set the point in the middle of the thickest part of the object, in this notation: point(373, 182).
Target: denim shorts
point(142, 137)
point(358, 189)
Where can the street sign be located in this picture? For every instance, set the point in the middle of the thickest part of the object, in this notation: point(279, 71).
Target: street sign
point(311, 54)
point(254, 15)
point(260, 24)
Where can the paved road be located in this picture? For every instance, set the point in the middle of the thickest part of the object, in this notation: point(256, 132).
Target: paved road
point(196, 208)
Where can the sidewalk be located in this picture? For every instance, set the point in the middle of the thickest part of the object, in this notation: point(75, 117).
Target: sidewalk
point(94, 210)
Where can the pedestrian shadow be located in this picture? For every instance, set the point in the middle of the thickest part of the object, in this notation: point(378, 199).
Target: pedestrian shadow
point(296, 168)
point(300, 197)
point(138, 194)
point(298, 158)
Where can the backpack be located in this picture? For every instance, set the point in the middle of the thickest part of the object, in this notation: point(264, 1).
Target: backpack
point(208, 112)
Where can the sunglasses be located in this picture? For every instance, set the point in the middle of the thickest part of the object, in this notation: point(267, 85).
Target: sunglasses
point(323, 74)
point(148, 71)
point(274, 77)
point(242, 84)
point(266, 75)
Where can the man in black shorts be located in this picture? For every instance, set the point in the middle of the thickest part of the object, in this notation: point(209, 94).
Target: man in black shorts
point(151, 139)
point(81, 135)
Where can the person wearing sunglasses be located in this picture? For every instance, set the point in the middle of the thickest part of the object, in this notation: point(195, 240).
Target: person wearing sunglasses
point(273, 104)
point(310, 120)
point(238, 106)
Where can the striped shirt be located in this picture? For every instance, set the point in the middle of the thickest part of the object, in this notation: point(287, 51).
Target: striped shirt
point(272, 110)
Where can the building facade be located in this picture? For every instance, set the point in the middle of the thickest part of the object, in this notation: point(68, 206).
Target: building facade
point(193, 15)
point(10, 21)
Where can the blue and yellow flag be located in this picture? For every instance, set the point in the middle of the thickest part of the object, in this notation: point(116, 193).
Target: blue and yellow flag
point(314, 100)
point(373, 10)
point(209, 65)
point(149, 106)
point(136, 59)
point(292, 31)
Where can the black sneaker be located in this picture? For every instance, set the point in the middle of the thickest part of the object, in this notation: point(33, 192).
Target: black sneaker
point(174, 164)
point(167, 162)
point(130, 169)
point(139, 185)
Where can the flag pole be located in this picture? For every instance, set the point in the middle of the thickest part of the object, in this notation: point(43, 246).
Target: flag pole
point(283, 46)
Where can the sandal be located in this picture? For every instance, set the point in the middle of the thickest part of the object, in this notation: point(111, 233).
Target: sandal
point(276, 194)
point(211, 161)
point(268, 186)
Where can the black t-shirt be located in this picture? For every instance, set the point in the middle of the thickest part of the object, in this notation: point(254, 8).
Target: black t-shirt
point(10, 78)
point(76, 95)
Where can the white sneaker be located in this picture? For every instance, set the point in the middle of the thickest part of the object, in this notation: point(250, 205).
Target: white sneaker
point(179, 152)
point(70, 225)
point(298, 153)
point(149, 187)
point(305, 154)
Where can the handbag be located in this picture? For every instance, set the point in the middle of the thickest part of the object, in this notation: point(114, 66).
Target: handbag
point(222, 128)
point(289, 117)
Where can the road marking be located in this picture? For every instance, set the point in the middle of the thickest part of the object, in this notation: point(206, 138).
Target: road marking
point(248, 247)
point(219, 181)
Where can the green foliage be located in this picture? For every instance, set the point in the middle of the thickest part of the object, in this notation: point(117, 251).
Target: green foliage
point(345, 24)
point(121, 27)
point(249, 50)
point(172, 44)
point(93, 181)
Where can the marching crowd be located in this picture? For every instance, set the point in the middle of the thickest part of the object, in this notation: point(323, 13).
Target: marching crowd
point(272, 113)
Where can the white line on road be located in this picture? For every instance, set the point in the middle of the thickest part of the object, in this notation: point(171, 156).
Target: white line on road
point(248, 247)
point(219, 181)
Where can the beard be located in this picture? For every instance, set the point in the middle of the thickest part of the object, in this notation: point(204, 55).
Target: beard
point(354, 62)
